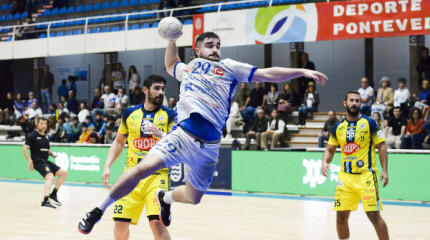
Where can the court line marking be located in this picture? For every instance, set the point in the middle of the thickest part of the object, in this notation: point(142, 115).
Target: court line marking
point(239, 194)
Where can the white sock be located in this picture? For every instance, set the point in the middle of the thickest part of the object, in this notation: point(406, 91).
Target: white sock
point(168, 197)
point(106, 201)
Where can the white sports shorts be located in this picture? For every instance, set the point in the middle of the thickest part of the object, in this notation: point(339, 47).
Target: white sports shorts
point(200, 158)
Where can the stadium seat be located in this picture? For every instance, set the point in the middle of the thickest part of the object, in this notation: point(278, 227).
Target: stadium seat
point(154, 25)
point(188, 21)
point(68, 33)
point(59, 34)
point(124, 3)
point(42, 26)
point(24, 14)
point(51, 34)
point(115, 29)
point(121, 18)
point(105, 29)
point(80, 8)
point(133, 16)
point(43, 35)
point(115, 4)
point(4, 6)
point(63, 10)
point(54, 11)
point(106, 5)
point(71, 10)
point(2, 17)
point(9, 39)
point(145, 25)
point(47, 12)
point(98, 6)
point(141, 2)
point(95, 30)
point(88, 7)
point(17, 16)
point(9, 16)
point(133, 2)
point(95, 20)
point(105, 18)
point(122, 28)
point(134, 27)
point(77, 32)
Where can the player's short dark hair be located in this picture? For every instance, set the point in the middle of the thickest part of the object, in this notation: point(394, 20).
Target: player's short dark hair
point(41, 119)
point(205, 35)
point(351, 92)
point(149, 81)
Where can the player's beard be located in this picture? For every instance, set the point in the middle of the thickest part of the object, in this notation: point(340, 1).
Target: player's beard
point(157, 101)
point(352, 109)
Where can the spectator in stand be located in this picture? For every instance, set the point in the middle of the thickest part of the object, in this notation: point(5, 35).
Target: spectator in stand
point(121, 102)
point(75, 131)
point(83, 113)
point(304, 82)
point(137, 97)
point(426, 128)
point(63, 100)
point(107, 121)
point(133, 79)
point(288, 101)
point(366, 95)
point(61, 110)
point(259, 126)
point(93, 138)
point(234, 118)
point(310, 103)
point(53, 110)
point(27, 124)
point(172, 103)
point(275, 130)
point(34, 111)
point(165, 5)
point(242, 96)
point(97, 105)
point(377, 117)
point(401, 97)
point(86, 131)
point(46, 88)
point(272, 98)
point(384, 99)
point(58, 130)
point(256, 99)
point(108, 99)
point(118, 78)
point(7, 109)
point(31, 99)
point(72, 103)
point(88, 121)
point(328, 125)
point(423, 66)
point(63, 90)
point(109, 135)
point(98, 123)
point(414, 131)
point(423, 99)
point(67, 127)
point(395, 129)
point(19, 106)
point(72, 81)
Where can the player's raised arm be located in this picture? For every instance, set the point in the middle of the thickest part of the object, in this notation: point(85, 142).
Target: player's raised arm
point(279, 74)
point(383, 157)
point(327, 157)
point(114, 152)
point(171, 57)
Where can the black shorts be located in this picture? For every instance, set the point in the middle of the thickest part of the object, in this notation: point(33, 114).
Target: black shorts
point(44, 167)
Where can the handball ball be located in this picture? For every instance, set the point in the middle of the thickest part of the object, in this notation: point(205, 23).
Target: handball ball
point(170, 28)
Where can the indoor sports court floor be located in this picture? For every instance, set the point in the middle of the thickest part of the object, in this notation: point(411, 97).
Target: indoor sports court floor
point(218, 217)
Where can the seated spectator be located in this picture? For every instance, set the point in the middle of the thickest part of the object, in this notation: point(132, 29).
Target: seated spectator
point(34, 111)
point(51, 128)
point(426, 129)
point(118, 78)
point(75, 132)
point(57, 137)
point(272, 98)
point(133, 79)
point(83, 113)
point(172, 103)
point(110, 122)
point(328, 125)
point(93, 138)
point(108, 99)
point(97, 105)
point(62, 90)
point(98, 123)
point(72, 103)
point(384, 99)
point(109, 136)
point(86, 131)
point(256, 99)
point(401, 97)
point(88, 121)
point(61, 110)
point(67, 128)
point(121, 102)
point(423, 99)
point(234, 119)
point(395, 129)
point(137, 97)
point(377, 117)
point(288, 101)
point(63, 100)
point(259, 126)
point(52, 110)
point(414, 133)
point(6, 112)
point(366, 95)
point(30, 100)
point(310, 103)
point(19, 106)
point(275, 131)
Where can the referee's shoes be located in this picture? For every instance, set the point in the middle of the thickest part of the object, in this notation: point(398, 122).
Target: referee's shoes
point(54, 200)
point(47, 204)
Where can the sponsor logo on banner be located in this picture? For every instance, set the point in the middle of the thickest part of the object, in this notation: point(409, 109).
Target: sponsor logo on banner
point(350, 148)
point(313, 175)
point(144, 144)
point(78, 163)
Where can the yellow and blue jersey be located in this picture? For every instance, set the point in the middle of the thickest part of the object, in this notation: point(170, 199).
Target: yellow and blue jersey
point(357, 140)
point(132, 125)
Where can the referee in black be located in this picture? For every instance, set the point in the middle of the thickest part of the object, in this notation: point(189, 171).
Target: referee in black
point(38, 143)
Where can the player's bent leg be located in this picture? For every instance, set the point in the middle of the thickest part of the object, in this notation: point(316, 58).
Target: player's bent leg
point(62, 175)
point(160, 232)
point(130, 178)
point(342, 224)
point(121, 230)
point(187, 194)
point(49, 180)
point(379, 224)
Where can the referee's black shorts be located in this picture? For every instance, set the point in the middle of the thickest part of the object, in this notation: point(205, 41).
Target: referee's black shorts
point(44, 167)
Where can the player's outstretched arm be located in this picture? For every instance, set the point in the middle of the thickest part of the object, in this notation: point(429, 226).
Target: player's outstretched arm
point(171, 57)
point(28, 158)
point(114, 152)
point(279, 74)
point(327, 157)
point(383, 157)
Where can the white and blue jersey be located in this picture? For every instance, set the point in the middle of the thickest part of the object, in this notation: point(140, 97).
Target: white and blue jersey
point(207, 88)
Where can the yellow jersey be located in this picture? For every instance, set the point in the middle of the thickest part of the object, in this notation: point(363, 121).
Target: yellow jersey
point(357, 140)
point(132, 125)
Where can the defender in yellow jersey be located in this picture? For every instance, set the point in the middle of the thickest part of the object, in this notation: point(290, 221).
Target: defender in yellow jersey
point(142, 126)
point(357, 135)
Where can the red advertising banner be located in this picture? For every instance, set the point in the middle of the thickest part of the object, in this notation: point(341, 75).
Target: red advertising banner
point(198, 26)
point(370, 19)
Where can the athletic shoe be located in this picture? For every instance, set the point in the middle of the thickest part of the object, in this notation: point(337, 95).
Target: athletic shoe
point(47, 204)
point(165, 215)
point(91, 218)
point(54, 200)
